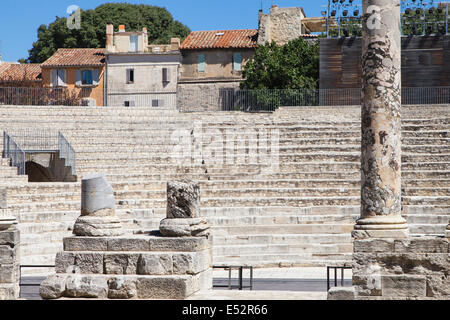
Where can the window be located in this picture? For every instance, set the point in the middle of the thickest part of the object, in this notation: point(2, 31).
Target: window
point(237, 61)
point(157, 103)
point(130, 75)
point(201, 62)
point(165, 75)
point(133, 43)
point(86, 77)
point(129, 104)
point(58, 78)
point(89, 77)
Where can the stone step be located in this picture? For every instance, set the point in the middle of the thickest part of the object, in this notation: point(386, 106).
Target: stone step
point(285, 260)
point(428, 229)
point(298, 248)
point(428, 219)
point(285, 229)
point(282, 239)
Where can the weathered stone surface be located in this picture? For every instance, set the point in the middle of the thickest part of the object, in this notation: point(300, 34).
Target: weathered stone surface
point(9, 273)
point(421, 245)
point(9, 237)
point(79, 263)
point(341, 293)
point(85, 244)
point(116, 263)
point(183, 199)
point(155, 264)
point(97, 195)
point(53, 287)
point(122, 288)
point(8, 255)
point(185, 228)
point(438, 286)
point(82, 286)
point(175, 287)
point(128, 244)
point(403, 286)
point(374, 245)
point(9, 291)
point(179, 244)
point(381, 125)
point(191, 263)
point(3, 199)
point(88, 226)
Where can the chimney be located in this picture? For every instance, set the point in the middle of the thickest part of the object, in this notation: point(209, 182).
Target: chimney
point(109, 37)
point(122, 28)
point(175, 44)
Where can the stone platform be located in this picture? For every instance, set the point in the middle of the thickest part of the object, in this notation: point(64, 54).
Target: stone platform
point(138, 267)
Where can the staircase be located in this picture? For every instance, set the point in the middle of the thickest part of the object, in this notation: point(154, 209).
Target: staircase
point(298, 215)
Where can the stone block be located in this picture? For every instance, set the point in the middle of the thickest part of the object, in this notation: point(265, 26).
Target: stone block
point(179, 244)
point(121, 264)
point(421, 245)
point(438, 286)
point(9, 273)
point(9, 238)
point(136, 244)
point(155, 264)
point(93, 226)
point(79, 263)
point(85, 244)
point(122, 288)
point(373, 245)
point(82, 286)
point(9, 291)
point(191, 263)
point(53, 287)
point(342, 293)
point(3, 199)
point(174, 287)
point(403, 286)
point(8, 255)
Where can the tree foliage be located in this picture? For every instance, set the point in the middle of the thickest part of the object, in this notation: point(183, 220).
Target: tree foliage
point(294, 65)
point(159, 22)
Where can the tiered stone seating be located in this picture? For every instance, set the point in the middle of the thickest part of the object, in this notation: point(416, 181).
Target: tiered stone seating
point(299, 215)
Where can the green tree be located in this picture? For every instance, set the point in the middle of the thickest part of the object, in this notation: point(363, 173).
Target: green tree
point(294, 65)
point(159, 22)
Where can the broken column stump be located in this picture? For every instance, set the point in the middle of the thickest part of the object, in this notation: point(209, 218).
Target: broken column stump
point(183, 211)
point(98, 218)
point(131, 267)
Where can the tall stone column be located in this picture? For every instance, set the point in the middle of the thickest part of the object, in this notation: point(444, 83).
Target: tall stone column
point(381, 123)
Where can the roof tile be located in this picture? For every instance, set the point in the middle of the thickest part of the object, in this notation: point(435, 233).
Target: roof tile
point(20, 72)
point(221, 39)
point(76, 57)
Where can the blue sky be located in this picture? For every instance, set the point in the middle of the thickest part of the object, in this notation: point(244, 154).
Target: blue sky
point(20, 19)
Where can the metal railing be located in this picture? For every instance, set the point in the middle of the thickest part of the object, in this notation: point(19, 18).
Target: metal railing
point(18, 143)
point(67, 152)
point(33, 96)
point(13, 151)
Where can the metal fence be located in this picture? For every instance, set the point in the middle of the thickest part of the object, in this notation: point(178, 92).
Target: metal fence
point(18, 143)
point(270, 100)
point(44, 96)
point(67, 152)
point(13, 151)
point(215, 99)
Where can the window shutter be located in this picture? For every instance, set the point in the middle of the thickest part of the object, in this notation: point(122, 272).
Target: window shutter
point(201, 63)
point(78, 78)
point(237, 61)
point(61, 77)
point(54, 78)
point(166, 75)
point(95, 77)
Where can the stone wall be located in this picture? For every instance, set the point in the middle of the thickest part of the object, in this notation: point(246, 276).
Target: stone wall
point(206, 96)
point(281, 25)
point(393, 269)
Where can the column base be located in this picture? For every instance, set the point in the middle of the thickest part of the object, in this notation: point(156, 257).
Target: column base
point(381, 227)
point(447, 232)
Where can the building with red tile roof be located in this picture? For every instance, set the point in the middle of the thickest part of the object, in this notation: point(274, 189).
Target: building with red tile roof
point(221, 39)
point(79, 70)
point(20, 75)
